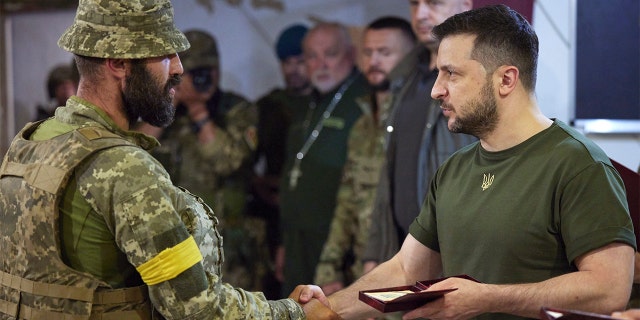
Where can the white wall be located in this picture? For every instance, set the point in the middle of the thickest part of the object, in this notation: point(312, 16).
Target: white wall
point(249, 67)
point(554, 22)
point(246, 35)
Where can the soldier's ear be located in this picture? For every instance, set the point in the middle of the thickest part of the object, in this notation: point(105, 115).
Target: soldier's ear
point(117, 68)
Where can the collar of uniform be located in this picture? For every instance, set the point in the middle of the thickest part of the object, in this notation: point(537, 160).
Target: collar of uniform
point(82, 113)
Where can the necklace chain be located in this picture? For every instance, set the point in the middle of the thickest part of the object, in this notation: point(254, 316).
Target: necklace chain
point(296, 173)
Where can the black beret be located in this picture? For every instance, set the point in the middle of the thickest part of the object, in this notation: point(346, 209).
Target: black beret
point(290, 41)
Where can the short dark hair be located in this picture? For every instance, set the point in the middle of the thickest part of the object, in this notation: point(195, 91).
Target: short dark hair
point(389, 22)
point(503, 37)
point(58, 75)
point(88, 67)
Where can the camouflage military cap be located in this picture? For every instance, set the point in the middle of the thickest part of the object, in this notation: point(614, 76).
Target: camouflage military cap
point(203, 51)
point(123, 29)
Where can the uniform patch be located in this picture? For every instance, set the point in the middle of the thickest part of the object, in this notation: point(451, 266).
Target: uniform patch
point(333, 122)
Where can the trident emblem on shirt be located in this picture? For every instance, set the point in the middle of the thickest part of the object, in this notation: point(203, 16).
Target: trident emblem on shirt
point(487, 181)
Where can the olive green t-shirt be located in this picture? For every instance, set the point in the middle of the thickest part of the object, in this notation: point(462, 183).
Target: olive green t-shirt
point(524, 214)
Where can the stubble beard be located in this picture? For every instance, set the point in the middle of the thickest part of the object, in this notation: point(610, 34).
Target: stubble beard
point(382, 85)
point(483, 116)
point(297, 83)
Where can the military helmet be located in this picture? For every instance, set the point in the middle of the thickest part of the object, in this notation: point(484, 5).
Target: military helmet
point(203, 52)
point(123, 29)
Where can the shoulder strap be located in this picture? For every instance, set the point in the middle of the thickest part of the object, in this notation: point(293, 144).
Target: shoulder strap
point(50, 178)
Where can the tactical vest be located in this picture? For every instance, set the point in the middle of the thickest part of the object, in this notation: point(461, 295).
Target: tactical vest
point(34, 281)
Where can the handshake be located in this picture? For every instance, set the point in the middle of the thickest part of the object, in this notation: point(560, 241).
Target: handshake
point(314, 302)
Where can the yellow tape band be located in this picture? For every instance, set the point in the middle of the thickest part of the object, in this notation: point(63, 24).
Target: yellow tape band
point(169, 263)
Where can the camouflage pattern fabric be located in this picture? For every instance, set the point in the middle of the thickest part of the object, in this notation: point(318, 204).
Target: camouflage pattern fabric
point(120, 29)
point(35, 173)
point(341, 257)
point(219, 173)
point(147, 214)
point(349, 231)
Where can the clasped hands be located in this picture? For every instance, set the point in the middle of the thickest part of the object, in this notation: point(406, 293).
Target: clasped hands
point(463, 303)
point(460, 304)
point(314, 302)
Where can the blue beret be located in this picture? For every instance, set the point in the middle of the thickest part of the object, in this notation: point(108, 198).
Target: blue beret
point(290, 41)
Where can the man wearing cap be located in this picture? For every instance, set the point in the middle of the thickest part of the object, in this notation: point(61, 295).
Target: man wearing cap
point(276, 111)
point(208, 150)
point(92, 226)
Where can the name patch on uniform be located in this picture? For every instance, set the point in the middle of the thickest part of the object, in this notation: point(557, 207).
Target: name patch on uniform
point(335, 123)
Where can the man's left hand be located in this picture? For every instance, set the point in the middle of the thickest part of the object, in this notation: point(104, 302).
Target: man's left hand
point(466, 302)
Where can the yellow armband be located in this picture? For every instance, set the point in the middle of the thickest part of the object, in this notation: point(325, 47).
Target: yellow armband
point(169, 263)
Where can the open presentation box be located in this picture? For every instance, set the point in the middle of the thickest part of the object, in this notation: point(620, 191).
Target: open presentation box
point(547, 313)
point(404, 297)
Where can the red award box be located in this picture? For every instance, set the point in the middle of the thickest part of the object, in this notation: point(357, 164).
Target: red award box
point(404, 297)
point(547, 313)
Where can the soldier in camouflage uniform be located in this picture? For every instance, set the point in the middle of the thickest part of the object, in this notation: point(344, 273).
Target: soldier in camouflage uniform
point(386, 41)
point(208, 150)
point(92, 224)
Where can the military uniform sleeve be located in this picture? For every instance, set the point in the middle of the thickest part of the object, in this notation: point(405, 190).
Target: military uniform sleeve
point(352, 216)
point(340, 238)
point(171, 238)
point(235, 143)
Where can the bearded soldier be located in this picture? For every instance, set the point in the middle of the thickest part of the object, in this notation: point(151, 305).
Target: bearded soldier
point(93, 225)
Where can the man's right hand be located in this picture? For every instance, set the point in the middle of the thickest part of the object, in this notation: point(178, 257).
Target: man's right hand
point(315, 310)
point(303, 294)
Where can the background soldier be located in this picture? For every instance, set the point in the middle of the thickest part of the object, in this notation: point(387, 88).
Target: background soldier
point(62, 83)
